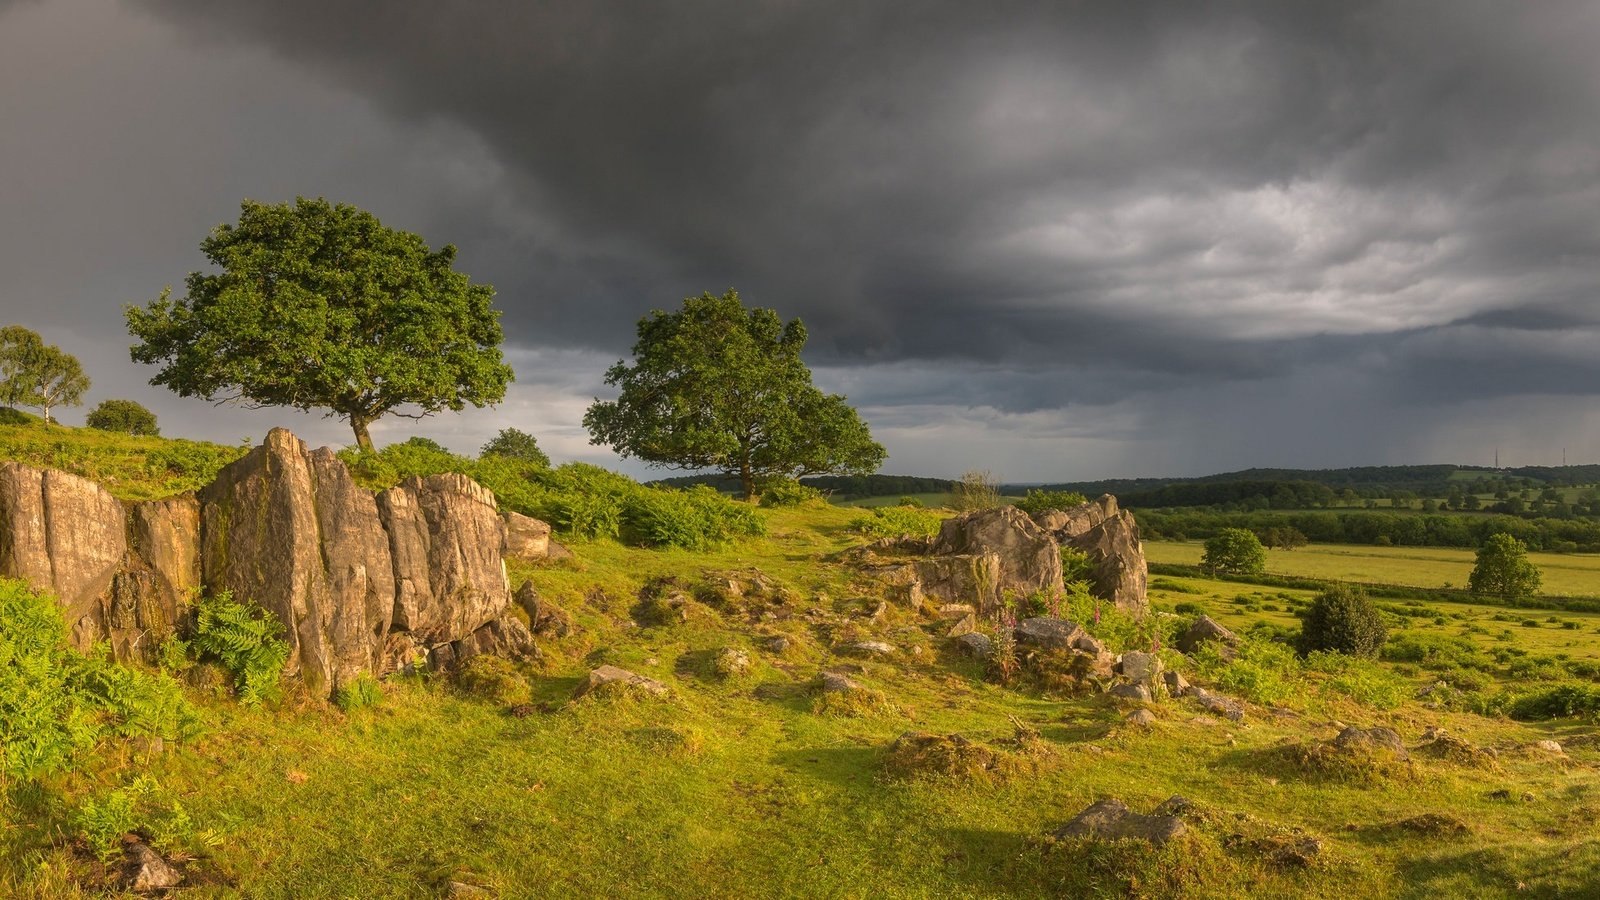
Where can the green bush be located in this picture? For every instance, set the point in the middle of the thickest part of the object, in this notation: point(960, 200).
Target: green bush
point(788, 492)
point(1359, 679)
point(55, 702)
point(1264, 671)
point(124, 416)
point(1559, 702)
point(1039, 501)
point(142, 806)
point(245, 640)
point(1343, 620)
point(897, 522)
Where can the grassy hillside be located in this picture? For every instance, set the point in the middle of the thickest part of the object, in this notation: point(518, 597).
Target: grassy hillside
point(133, 468)
point(747, 786)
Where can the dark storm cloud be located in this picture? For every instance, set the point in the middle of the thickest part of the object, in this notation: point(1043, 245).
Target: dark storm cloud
point(1216, 226)
point(1182, 186)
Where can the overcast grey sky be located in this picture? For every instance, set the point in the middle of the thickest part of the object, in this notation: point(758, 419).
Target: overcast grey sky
point(1056, 240)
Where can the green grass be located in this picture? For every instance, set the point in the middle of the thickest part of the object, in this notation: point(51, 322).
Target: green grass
point(132, 468)
point(735, 787)
point(1565, 574)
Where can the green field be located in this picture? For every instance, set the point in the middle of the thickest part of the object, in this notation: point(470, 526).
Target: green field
point(1565, 574)
point(746, 786)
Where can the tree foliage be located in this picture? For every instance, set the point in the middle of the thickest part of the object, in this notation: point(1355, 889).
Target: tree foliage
point(717, 386)
point(1343, 620)
point(319, 306)
point(125, 416)
point(511, 443)
point(1503, 569)
point(38, 375)
point(1235, 551)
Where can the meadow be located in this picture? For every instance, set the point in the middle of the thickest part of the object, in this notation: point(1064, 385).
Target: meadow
point(1565, 574)
point(749, 786)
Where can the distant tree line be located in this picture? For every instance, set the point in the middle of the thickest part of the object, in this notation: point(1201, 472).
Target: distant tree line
point(1381, 529)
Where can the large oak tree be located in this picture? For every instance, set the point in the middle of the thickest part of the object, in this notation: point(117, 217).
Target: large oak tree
point(717, 386)
point(319, 306)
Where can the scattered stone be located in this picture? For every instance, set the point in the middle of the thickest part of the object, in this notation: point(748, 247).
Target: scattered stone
point(1379, 739)
point(462, 889)
point(1177, 685)
point(1048, 633)
point(609, 675)
point(834, 683)
point(526, 537)
point(949, 611)
point(1207, 630)
point(144, 871)
point(777, 645)
point(1176, 806)
point(1289, 852)
point(1141, 668)
point(522, 711)
point(967, 624)
point(1548, 746)
point(868, 648)
point(1110, 819)
point(975, 644)
point(1142, 718)
point(1135, 692)
point(731, 662)
point(1217, 704)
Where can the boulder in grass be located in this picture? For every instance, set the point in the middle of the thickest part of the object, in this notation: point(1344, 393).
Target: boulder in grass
point(605, 676)
point(1207, 630)
point(1110, 819)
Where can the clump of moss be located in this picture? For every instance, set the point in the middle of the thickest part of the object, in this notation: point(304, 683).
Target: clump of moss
point(920, 754)
point(492, 678)
point(838, 697)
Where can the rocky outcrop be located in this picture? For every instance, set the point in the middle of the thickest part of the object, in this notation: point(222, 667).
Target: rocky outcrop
point(289, 529)
point(361, 583)
point(985, 557)
point(123, 573)
point(526, 537)
point(1066, 524)
point(1110, 538)
point(1028, 561)
point(447, 539)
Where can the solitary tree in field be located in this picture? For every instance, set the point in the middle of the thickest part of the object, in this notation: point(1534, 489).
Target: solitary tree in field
point(38, 375)
point(319, 306)
point(1235, 551)
point(718, 386)
point(125, 416)
point(1503, 569)
point(511, 443)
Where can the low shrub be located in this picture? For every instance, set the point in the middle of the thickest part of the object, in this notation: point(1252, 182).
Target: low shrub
point(244, 638)
point(363, 692)
point(788, 492)
point(897, 522)
point(55, 703)
point(1036, 502)
point(1558, 702)
point(145, 807)
point(1265, 672)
